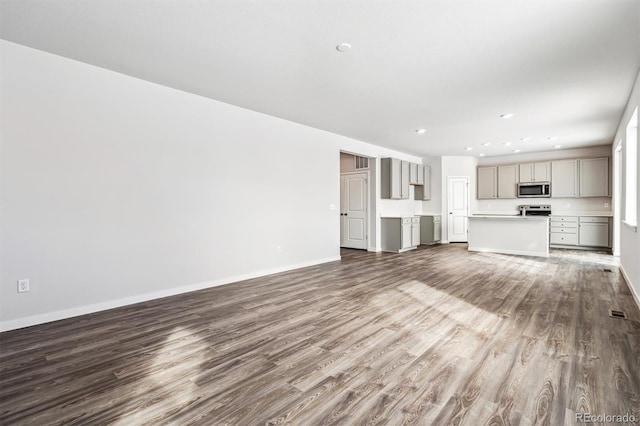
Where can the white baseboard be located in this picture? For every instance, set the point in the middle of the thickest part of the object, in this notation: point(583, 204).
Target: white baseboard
point(635, 295)
point(517, 252)
point(103, 306)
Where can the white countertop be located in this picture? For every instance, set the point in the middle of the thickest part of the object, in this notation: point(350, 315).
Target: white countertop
point(507, 217)
point(584, 213)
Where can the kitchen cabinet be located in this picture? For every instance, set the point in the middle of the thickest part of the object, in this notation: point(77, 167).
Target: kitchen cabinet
point(594, 177)
point(423, 192)
point(487, 183)
point(581, 231)
point(563, 230)
point(404, 180)
point(593, 231)
point(564, 178)
point(415, 231)
point(394, 177)
point(508, 181)
point(534, 172)
point(399, 234)
point(585, 177)
point(413, 174)
point(420, 175)
point(430, 229)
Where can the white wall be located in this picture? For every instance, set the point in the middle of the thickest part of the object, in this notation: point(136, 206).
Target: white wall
point(114, 190)
point(453, 166)
point(629, 238)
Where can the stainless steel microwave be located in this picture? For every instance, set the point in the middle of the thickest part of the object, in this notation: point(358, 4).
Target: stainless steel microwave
point(534, 190)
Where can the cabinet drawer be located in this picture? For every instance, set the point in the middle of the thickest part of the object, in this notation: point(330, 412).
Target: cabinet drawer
point(564, 218)
point(570, 239)
point(564, 224)
point(558, 230)
point(594, 219)
point(415, 220)
point(406, 220)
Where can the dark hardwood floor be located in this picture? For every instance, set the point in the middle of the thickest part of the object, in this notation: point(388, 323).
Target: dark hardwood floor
point(434, 336)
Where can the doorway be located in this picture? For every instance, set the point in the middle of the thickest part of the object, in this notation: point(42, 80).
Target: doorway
point(354, 188)
point(458, 208)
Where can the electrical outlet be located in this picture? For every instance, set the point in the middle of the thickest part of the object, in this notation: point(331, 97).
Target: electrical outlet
point(606, 204)
point(23, 286)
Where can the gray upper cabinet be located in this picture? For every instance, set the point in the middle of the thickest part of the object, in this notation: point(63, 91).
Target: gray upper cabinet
point(423, 191)
point(508, 181)
point(404, 180)
point(587, 177)
point(535, 172)
point(420, 175)
point(487, 183)
point(594, 177)
point(564, 178)
point(413, 173)
point(390, 177)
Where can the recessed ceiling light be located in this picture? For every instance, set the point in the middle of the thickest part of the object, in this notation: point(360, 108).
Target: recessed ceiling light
point(421, 131)
point(552, 138)
point(557, 146)
point(469, 148)
point(525, 139)
point(507, 115)
point(482, 155)
point(343, 47)
point(486, 144)
point(516, 150)
point(507, 143)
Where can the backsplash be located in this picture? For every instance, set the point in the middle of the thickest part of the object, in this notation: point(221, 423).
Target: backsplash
point(596, 204)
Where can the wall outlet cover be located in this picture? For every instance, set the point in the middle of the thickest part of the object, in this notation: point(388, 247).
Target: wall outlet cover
point(23, 286)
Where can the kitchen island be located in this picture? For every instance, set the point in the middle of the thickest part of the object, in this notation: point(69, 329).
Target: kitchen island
point(509, 234)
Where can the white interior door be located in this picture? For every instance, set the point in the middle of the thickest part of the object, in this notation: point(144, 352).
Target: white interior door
point(458, 204)
point(353, 210)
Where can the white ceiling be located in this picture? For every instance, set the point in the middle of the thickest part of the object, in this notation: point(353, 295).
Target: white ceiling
point(565, 68)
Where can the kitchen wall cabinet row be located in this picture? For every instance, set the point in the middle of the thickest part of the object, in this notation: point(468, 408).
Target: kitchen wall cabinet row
point(583, 231)
point(585, 177)
point(397, 176)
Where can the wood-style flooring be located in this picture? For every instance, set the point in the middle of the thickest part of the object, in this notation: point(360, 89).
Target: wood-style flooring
point(436, 336)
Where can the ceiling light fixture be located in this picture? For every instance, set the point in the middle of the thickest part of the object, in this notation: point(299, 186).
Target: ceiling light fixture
point(421, 131)
point(552, 138)
point(343, 47)
point(482, 155)
point(486, 144)
point(507, 115)
point(516, 150)
point(525, 139)
point(557, 146)
point(507, 143)
point(469, 148)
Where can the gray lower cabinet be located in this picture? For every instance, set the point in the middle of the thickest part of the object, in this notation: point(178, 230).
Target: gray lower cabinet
point(593, 231)
point(430, 229)
point(399, 234)
point(580, 231)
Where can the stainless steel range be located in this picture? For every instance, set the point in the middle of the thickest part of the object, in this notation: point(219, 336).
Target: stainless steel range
point(537, 210)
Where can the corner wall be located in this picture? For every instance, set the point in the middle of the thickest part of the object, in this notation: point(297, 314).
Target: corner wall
point(629, 238)
point(114, 190)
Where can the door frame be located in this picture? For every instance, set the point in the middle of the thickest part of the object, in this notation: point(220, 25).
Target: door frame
point(367, 194)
